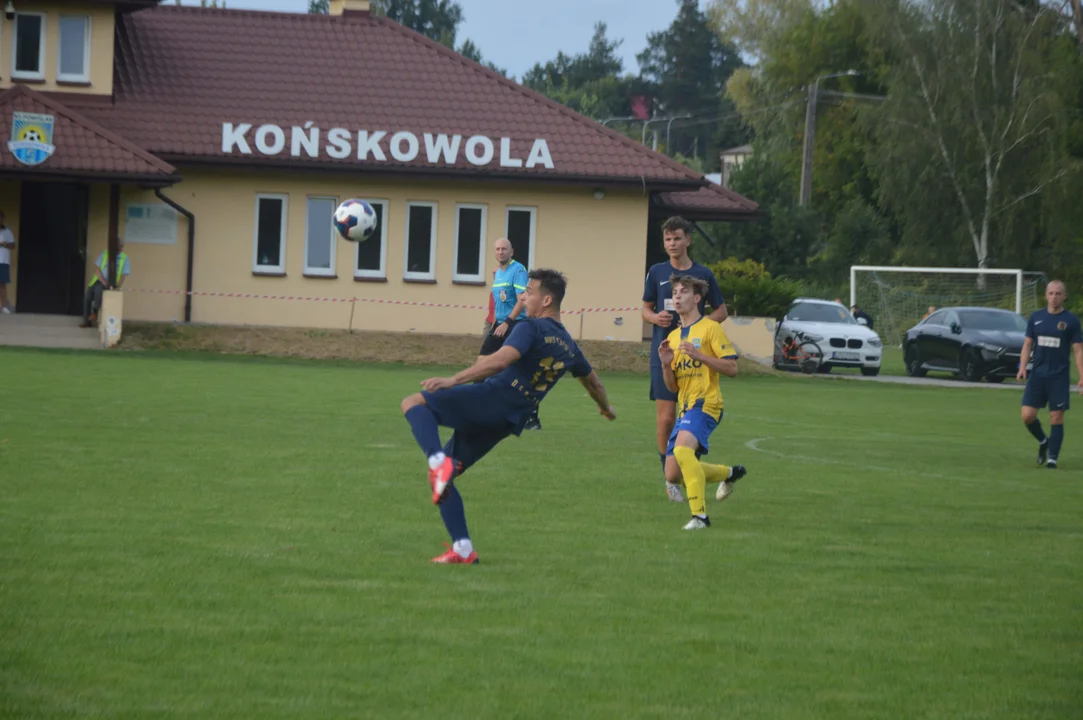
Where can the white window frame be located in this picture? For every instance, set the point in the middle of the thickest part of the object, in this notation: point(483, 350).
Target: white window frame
point(533, 210)
point(406, 273)
point(85, 77)
point(480, 276)
point(281, 267)
point(380, 274)
point(23, 74)
point(332, 236)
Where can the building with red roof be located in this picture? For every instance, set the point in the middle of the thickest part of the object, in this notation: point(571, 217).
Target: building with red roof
point(217, 143)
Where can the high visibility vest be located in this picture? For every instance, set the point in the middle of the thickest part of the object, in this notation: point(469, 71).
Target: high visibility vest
point(121, 260)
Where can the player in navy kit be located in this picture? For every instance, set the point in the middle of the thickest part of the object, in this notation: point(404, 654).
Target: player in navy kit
point(517, 377)
point(1053, 336)
point(659, 311)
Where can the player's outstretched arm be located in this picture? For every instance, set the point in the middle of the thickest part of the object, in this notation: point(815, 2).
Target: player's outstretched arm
point(486, 366)
point(594, 387)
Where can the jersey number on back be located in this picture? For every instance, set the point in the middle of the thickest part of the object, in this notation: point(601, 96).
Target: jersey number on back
point(549, 370)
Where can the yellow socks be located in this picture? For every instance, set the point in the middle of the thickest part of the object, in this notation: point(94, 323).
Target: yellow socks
point(695, 482)
point(715, 473)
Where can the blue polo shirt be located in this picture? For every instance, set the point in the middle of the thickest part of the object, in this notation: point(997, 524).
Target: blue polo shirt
point(508, 283)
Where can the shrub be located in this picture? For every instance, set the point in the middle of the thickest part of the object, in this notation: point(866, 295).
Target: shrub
point(750, 290)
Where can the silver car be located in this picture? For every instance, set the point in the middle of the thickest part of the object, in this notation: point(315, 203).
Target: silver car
point(844, 342)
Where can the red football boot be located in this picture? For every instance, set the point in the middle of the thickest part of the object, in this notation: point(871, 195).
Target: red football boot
point(453, 558)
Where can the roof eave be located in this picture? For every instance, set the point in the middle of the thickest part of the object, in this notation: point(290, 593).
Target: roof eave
point(396, 171)
point(92, 176)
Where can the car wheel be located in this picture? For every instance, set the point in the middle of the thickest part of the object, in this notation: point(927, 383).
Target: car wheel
point(913, 362)
point(870, 371)
point(995, 379)
point(970, 366)
point(824, 369)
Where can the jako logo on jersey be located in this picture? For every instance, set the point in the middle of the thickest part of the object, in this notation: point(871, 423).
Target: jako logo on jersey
point(688, 363)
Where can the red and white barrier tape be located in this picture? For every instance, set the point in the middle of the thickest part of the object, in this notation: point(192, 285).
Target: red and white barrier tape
point(258, 296)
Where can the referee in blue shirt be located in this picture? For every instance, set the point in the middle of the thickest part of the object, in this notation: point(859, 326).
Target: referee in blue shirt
point(509, 284)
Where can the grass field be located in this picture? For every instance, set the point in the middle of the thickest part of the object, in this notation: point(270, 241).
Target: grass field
point(192, 536)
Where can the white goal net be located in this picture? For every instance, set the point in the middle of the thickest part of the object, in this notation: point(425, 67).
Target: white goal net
point(897, 298)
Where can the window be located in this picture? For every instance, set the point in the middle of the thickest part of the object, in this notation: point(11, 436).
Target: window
point(470, 243)
point(937, 318)
point(73, 55)
point(269, 239)
point(420, 253)
point(520, 230)
point(28, 50)
point(320, 237)
point(371, 259)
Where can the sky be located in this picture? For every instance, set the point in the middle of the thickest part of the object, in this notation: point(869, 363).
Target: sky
point(515, 34)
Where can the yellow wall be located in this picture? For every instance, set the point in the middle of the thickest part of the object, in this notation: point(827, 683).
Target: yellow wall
point(599, 244)
point(101, 46)
point(10, 198)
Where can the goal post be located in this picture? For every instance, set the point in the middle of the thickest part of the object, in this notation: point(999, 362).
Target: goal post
point(897, 297)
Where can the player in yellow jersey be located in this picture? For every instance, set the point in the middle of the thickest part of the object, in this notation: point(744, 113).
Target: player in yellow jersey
point(692, 358)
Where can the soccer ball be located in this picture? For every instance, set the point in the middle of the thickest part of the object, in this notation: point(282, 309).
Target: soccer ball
point(355, 220)
point(32, 136)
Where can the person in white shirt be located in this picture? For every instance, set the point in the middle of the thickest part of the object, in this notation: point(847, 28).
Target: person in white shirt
point(7, 243)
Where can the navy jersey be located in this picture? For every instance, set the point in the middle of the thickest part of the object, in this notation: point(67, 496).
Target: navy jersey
point(1053, 337)
point(656, 290)
point(548, 351)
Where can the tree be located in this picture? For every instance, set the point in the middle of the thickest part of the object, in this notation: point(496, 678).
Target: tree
point(687, 65)
point(435, 19)
point(970, 116)
point(589, 83)
point(319, 7)
point(469, 50)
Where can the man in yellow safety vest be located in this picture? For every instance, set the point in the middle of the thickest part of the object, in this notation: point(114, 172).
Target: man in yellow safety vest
point(100, 283)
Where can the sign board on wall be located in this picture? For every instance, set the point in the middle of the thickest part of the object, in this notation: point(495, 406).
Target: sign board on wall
point(376, 145)
point(151, 223)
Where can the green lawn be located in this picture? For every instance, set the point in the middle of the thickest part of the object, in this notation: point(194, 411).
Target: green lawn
point(187, 537)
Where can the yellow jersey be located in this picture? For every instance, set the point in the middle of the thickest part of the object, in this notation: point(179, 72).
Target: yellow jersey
point(697, 384)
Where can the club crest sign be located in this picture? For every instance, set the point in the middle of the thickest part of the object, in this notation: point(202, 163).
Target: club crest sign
point(31, 137)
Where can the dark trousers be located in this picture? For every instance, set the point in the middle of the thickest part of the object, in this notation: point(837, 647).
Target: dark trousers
point(92, 301)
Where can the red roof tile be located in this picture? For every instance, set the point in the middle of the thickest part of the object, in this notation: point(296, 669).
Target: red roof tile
point(181, 72)
point(712, 202)
point(83, 147)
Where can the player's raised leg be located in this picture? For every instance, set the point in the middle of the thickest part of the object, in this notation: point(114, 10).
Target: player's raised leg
point(426, 432)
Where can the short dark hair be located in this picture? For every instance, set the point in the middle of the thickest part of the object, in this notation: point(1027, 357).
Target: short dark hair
point(677, 223)
point(552, 282)
point(698, 286)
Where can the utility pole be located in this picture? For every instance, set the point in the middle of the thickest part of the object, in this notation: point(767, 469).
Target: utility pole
point(810, 133)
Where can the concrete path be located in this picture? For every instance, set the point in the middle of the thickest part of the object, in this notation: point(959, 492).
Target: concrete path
point(46, 331)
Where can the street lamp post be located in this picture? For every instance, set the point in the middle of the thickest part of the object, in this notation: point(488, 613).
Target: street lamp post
point(669, 125)
point(810, 132)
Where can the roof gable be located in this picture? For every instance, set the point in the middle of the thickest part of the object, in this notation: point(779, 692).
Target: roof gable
point(187, 86)
point(82, 147)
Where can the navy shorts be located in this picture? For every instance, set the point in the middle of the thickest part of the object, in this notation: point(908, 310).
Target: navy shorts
point(696, 422)
point(5, 273)
point(1053, 391)
point(659, 391)
point(481, 416)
